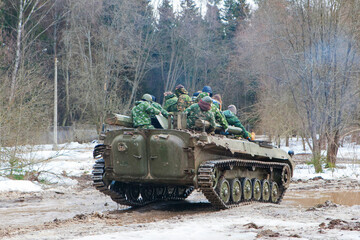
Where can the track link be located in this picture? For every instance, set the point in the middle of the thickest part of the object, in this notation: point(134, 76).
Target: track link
point(205, 180)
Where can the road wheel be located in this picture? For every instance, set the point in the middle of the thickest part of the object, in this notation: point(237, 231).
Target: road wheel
point(147, 193)
point(274, 193)
point(215, 177)
point(170, 192)
point(256, 187)
point(286, 176)
point(247, 188)
point(133, 192)
point(224, 190)
point(265, 190)
point(236, 191)
point(160, 192)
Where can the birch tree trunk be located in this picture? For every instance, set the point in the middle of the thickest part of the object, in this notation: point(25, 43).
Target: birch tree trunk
point(19, 31)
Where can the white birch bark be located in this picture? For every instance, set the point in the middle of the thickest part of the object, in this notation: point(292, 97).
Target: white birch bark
point(18, 53)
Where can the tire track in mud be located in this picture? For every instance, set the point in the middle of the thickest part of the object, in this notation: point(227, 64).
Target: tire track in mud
point(97, 221)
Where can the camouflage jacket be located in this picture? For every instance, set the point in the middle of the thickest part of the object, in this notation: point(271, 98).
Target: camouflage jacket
point(219, 116)
point(171, 103)
point(159, 107)
point(184, 101)
point(194, 112)
point(141, 113)
point(234, 121)
point(217, 104)
point(201, 96)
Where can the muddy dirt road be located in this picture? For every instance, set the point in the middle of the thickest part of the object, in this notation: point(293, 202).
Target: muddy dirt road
point(83, 213)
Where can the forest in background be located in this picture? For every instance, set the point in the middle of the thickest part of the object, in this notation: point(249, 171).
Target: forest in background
point(290, 66)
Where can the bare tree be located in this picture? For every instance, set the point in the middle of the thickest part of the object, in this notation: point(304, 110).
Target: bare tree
point(26, 11)
point(25, 94)
point(108, 45)
point(170, 46)
point(309, 52)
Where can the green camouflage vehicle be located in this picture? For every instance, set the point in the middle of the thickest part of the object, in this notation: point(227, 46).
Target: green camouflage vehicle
point(137, 166)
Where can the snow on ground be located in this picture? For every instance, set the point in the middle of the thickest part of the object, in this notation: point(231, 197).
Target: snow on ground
point(75, 159)
point(54, 166)
point(349, 150)
point(18, 185)
point(196, 228)
point(305, 172)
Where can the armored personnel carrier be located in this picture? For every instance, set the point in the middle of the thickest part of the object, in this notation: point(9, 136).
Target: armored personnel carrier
point(138, 166)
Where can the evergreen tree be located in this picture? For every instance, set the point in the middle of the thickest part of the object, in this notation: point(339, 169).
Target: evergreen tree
point(235, 12)
point(168, 44)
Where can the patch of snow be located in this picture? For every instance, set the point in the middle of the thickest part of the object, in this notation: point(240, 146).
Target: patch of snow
point(348, 150)
point(57, 179)
point(195, 228)
point(19, 186)
point(67, 168)
point(305, 172)
point(54, 166)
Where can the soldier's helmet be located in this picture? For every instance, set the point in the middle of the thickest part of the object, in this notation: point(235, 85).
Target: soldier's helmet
point(153, 98)
point(208, 90)
point(147, 97)
point(207, 99)
point(232, 109)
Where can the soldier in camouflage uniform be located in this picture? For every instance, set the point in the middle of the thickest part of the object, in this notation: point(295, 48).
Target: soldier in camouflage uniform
point(232, 119)
point(217, 101)
point(142, 111)
point(184, 101)
point(201, 111)
point(158, 107)
point(194, 96)
point(219, 117)
point(170, 102)
point(206, 91)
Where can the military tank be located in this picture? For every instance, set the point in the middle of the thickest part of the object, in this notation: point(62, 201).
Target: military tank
point(138, 166)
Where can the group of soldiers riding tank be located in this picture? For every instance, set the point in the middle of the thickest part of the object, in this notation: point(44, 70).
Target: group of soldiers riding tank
point(203, 105)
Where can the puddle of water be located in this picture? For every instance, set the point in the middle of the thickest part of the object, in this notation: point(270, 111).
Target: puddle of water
point(311, 198)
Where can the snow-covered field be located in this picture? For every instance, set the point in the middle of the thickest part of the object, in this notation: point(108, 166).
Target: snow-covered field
point(57, 190)
point(74, 159)
point(55, 166)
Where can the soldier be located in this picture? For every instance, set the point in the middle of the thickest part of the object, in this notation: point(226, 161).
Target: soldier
point(231, 118)
point(217, 101)
point(142, 111)
point(184, 101)
point(195, 95)
point(219, 117)
point(200, 110)
point(170, 102)
point(206, 91)
point(158, 107)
